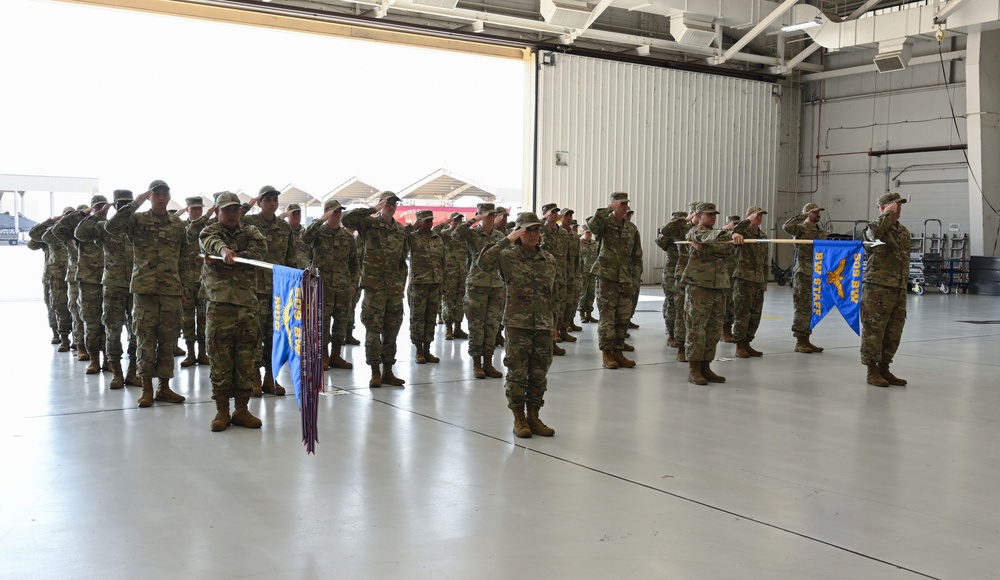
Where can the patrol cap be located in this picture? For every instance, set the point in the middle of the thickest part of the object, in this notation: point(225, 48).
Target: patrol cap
point(706, 207)
point(68, 209)
point(812, 207)
point(679, 214)
point(693, 206)
point(887, 198)
point(387, 195)
point(756, 209)
point(568, 211)
point(619, 196)
point(486, 208)
point(98, 199)
point(456, 216)
point(123, 195)
point(501, 210)
point(526, 219)
point(574, 224)
point(735, 219)
point(424, 214)
point(195, 201)
point(82, 207)
point(158, 183)
point(293, 207)
point(268, 191)
point(549, 207)
point(225, 199)
point(331, 204)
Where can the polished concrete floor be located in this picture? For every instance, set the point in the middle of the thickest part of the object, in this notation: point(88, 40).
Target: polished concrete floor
point(794, 468)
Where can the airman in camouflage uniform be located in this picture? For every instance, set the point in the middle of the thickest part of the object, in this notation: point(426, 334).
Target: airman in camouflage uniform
point(281, 251)
point(883, 295)
point(588, 256)
point(383, 277)
point(233, 326)
point(72, 284)
point(293, 215)
point(484, 291)
point(674, 231)
point(618, 270)
point(680, 294)
point(117, 304)
point(556, 242)
point(749, 283)
point(635, 297)
point(574, 270)
point(159, 243)
point(90, 270)
point(804, 227)
point(731, 262)
point(456, 268)
point(356, 298)
point(50, 312)
point(708, 288)
point(530, 275)
point(194, 304)
point(423, 293)
point(55, 269)
point(335, 253)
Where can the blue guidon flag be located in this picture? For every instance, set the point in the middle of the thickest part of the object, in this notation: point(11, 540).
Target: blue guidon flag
point(836, 281)
point(297, 312)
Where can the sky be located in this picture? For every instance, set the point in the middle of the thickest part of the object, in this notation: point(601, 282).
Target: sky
point(129, 97)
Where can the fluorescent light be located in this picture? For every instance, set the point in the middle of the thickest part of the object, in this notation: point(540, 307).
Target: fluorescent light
point(803, 26)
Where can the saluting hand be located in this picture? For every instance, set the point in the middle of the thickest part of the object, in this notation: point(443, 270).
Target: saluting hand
point(516, 234)
point(181, 211)
point(142, 197)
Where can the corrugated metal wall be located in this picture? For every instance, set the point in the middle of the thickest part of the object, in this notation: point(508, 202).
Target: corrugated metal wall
point(667, 137)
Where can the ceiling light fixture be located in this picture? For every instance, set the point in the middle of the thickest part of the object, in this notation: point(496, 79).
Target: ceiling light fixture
point(808, 24)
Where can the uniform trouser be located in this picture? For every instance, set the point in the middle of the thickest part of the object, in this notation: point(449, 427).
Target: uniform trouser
point(424, 301)
point(680, 318)
point(49, 308)
point(635, 302)
point(91, 307)
point(484, 310)
point(614, 303)
point(382, 315)
point(352, 319)
point(559, 301)
point(233, 333)
point(748, 304)
point(802, 301)
point(705, 309)
point(157, 322)
point(337, 314)
point(59, 294)
point(117, 313)
point(194, 315)
point(883, 314)
point(731, 303)
point(588, 293)
point(669, 308)
point(453, 298)
point(527, 356)
point(572, 298)
point(73, 303)
point(266, 324)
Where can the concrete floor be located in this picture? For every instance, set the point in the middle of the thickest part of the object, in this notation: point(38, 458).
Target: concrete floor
point(794, 468)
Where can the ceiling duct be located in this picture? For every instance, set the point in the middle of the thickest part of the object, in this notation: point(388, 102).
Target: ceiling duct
point(449, 4)
point(570, 13)
point(693, 30)
point(893, 56)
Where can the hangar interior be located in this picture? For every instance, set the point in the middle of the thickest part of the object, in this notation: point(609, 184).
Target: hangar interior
point(792, 469)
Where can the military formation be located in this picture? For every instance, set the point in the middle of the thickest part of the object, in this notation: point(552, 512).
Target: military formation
point(517, 285)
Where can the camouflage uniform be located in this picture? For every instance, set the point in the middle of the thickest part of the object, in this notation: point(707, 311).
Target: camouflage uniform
point(731, 262)
point(427, 263)
point(618, 270)
point(456, 268)
point(356, 282)
point(749, 281)
point(588, 256)
point(883, 296)
point(574, 268)
point(673, 231)
point(484, 291)
point(55, 269)
point(72, 282)
point(383, 277)
point(556, 241)
point(50, 313)
point(335, 253)
point(680, 289)
point(90, 270)
point(193, 319)
point(800, 229)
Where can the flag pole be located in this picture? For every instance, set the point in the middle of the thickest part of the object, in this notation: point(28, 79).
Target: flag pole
point(246, 261)
point(781, 241)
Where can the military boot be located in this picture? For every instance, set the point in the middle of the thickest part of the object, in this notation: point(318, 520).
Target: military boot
point(178, 351)
point(55, 338)
point(558, 350)
point(164, 394)
point(203, 354)
point(477, 367)
point(146, 398)
point(389, 378)
point(449, 334)
point(376, 380)
point(623, 362)
point(890, 378)
point(131, 377)
point(427, 354)
point(521, 428)
point(573, 327)
point(627, 347)
point(118, 380)
point(671, 341)
point(338, 362)
point(813, 346)
point(694, 374)
point(727, 333)
point(536, 425)
point(802, 344)
point(269, 385)
point(632, 324)
point(590, 317)
point(459, 333)
point(95, 365)
point(555, 336)
point(706, 371)
point(583, 317)
point(222, 416)
point(190, 360)
point(256, 390)
point(64, 345)
point(81, 353)
point(107, 363)
point(566, 336)
point(681, 355)
point(875, 378)
point(751, 351)
point(420, 358)
point(243, 417)
point(489, 369)
point(608, 359)
point(741, 349)
point(351, 340)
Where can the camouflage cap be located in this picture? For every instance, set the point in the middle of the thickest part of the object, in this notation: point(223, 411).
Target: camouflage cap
point(693, 206)
point(706, 207)
point(456, 216)
point(679, 214)
point(194, 201)
point(387, 195)
point(734, 219)
point(887, 198)
point(268, 191)
point(549, 207)
point(501, 210)
point(424, 214)
point(567, 211)
point(158, 183)
point(123, 195)
point(486, 208)
point(574, 224)
point(293, 207)
point(68, 209)
point(619, 196)
point(225, 199)
point(331, 204)
point(755, 209)
point(526, 219)
point(98, 199)
point(811, 207)
point(82, 207)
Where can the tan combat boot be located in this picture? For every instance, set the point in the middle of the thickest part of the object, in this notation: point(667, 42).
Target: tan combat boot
point(55, 338)
point(590, 317)
point(566, 336)
point(190, 360)
point(751, 351)
point(449, 334)
point(706, 371)
point(427, 354)
point(890, 378)
point(681, 355)
point(521, 428)
point(477, 367)
point(337, 361)
point(536, 425)
point(627, 347)
point(131, 377)
point(727, 333)
point(164, 394)
point(632, 324)
point(243, 417)
point(146, 398)
point(178, 351)
point(608, 359)
point(741, 350)
point(203, 354)
point(118, 380)
point(420, 359)
point(107, 362)
point(64, 345)
point(572, 326)
point(459, 333)
point(671, 341)
point(95, 365)
point(376, 380)
point(489, 369)
point(256, 391)
point(875, 378)
point(802, 345)
point(813, 346)
point(694, 373)
point(623, 362)
point(81, 352)
point(222, 416)
point(389, 378)
point(271, 386)
point(558, 350)
point(351, 340)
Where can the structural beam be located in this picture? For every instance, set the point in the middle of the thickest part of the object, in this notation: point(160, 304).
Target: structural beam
point(763, 25)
